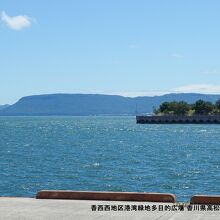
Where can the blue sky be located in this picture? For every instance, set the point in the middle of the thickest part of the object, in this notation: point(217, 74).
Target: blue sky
point(126, 47)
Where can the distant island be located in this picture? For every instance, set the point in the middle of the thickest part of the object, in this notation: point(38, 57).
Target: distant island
point(99, 104)
point(3, 106)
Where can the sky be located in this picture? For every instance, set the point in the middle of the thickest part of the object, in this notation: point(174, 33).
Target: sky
point(124, 47)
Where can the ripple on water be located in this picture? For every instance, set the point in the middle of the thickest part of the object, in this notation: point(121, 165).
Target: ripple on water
point(107, 153)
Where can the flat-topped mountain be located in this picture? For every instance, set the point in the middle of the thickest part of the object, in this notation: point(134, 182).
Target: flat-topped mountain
point(3, 106)
point(95, 104)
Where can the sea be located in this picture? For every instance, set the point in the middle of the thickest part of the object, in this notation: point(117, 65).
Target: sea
point(107, 154)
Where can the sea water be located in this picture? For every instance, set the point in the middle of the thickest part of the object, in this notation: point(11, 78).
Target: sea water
point(107, 154)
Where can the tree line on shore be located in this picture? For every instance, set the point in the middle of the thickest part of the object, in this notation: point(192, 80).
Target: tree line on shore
point(200, 107)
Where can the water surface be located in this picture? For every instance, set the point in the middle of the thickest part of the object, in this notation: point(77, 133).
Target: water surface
point(107, 154)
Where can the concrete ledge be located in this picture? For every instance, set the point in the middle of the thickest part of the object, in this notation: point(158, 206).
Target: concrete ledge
point(107, 196)
point(205, 199)
point(178, 119)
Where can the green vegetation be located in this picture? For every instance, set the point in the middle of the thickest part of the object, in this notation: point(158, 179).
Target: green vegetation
point(200, 107)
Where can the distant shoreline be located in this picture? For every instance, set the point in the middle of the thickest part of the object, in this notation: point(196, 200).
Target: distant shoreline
point(87, 105)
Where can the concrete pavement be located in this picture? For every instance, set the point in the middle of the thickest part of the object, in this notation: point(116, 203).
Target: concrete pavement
point(49, 209)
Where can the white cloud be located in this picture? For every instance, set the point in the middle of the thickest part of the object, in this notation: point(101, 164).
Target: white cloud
point(192, 88)
point(177, 55)
point(140, 93)
point(128, 93)
point(17, 22)
point(199, 88)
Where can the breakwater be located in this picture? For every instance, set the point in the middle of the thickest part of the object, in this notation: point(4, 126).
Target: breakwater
point(178, 119)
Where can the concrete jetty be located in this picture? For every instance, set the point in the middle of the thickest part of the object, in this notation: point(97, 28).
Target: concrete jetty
point(65, 205)
point(53, 209)
point(178, 119)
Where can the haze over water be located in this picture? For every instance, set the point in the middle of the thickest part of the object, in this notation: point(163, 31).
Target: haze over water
point(107, 154)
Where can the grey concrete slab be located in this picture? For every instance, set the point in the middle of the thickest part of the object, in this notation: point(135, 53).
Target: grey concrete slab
point(39, 209)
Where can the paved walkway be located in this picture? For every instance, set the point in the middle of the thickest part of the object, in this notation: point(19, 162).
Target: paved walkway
point(39, 209)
